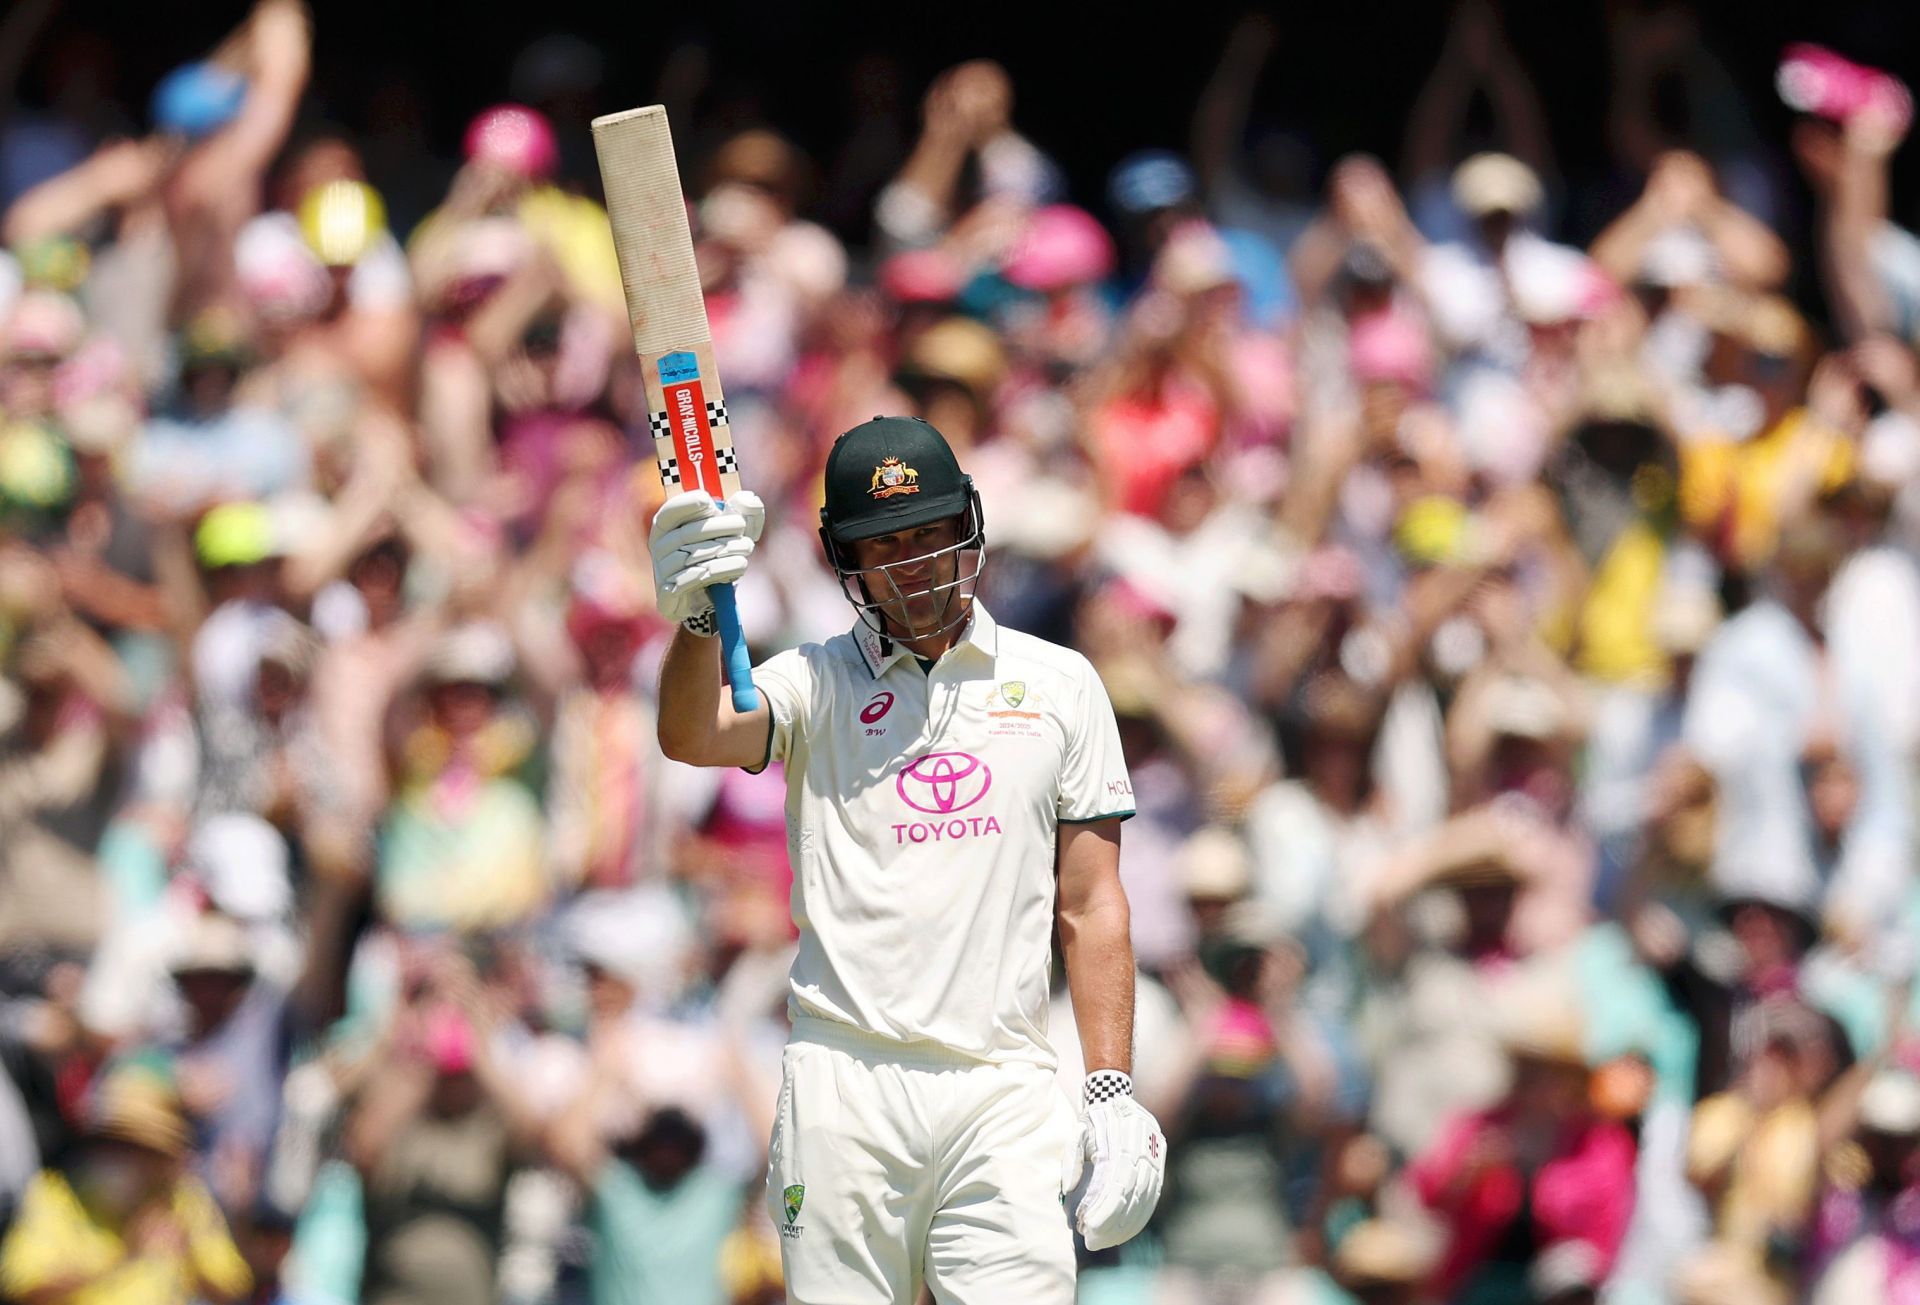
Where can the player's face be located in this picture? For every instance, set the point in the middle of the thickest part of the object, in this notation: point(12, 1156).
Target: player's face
point(910, 574)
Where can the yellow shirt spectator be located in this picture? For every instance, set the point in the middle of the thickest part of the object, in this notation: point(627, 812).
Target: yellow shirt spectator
point(1617, 643)
point(61, 1252)
point(1739, 494)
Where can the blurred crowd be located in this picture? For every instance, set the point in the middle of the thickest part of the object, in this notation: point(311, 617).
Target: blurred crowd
point(1516, 648)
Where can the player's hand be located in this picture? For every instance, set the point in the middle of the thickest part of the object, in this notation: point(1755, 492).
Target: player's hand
point(1128, 1152)
point(695, 544)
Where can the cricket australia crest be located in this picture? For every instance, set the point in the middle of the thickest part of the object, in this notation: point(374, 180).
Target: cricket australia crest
point(893, 477)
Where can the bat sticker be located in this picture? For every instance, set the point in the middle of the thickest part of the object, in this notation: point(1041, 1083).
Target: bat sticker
point(689, 419)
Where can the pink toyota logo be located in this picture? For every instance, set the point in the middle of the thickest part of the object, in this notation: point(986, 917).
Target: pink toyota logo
point(941, 783)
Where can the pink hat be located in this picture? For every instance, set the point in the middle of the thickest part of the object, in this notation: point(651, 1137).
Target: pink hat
point(99, 366)
point(922, 276)
point(1062, 246)
point(281, 276)
point(1815, 80)
point(587, 617)
point(44, 324)
point(449, 1041)
point(1137, 597)
point(603, 599)
point(1389, 347)
point(515, 138)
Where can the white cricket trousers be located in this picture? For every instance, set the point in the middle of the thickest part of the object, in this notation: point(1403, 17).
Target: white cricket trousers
point(892, 1166)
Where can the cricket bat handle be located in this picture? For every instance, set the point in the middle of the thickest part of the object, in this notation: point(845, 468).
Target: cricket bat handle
point(733, 649)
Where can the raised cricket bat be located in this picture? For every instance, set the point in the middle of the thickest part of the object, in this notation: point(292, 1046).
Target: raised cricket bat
point(691, 437)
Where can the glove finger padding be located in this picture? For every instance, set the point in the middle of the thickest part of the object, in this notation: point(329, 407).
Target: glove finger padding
point(743, 514)
point(1142, 1196)
point(1129, 1159)
point(1073, 1161)
point(687, 505)
point(702, 552)
point(715, 527)
point(723, 569)
point(747, 505)
point(696, 544)
point(1107, 1189)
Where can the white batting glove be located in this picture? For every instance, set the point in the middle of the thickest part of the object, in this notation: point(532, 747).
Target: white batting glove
point(1129, 1157)
point(696, 544)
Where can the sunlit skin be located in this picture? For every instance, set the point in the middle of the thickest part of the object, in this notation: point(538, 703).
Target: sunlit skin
point(915, 572)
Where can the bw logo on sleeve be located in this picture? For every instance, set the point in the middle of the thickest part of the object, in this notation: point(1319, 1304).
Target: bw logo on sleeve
point(791, 1199)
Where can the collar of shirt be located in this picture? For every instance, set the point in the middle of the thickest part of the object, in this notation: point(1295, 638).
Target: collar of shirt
point(881, 652)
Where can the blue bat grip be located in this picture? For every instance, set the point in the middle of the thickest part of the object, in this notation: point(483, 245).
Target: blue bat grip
point(733, 649)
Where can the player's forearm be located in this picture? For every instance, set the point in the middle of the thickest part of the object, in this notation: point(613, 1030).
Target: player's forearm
point(1094, 936)
point(696, 725)
point(689, 697)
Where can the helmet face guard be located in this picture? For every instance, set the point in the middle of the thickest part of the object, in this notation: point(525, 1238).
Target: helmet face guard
point(858, 584)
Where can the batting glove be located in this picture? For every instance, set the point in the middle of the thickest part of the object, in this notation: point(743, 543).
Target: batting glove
point(696, 543)
point(1128, 1152)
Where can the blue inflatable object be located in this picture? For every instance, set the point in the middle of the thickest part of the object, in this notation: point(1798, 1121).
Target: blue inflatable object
point(197, 99)
point(1150, 179)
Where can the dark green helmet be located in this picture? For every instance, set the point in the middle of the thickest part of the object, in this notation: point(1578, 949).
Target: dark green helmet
point(889, 475)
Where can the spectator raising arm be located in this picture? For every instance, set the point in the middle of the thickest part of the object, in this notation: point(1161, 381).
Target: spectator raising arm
point(1681, 194)
point(219, 185)
point(1220, 121)
point(1852, 223)
point(117, 175)
point(1475, 59)
point(966, 107)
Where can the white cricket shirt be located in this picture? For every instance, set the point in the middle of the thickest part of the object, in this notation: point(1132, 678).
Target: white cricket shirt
point(922, 810)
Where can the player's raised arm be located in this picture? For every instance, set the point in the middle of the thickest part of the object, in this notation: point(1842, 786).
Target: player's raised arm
point(697, 544)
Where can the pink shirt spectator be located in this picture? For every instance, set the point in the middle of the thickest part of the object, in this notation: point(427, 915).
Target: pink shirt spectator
point(1583, 1194)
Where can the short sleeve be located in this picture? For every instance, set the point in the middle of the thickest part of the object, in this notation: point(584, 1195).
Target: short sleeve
point(786, 682)
point(1094, 784)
